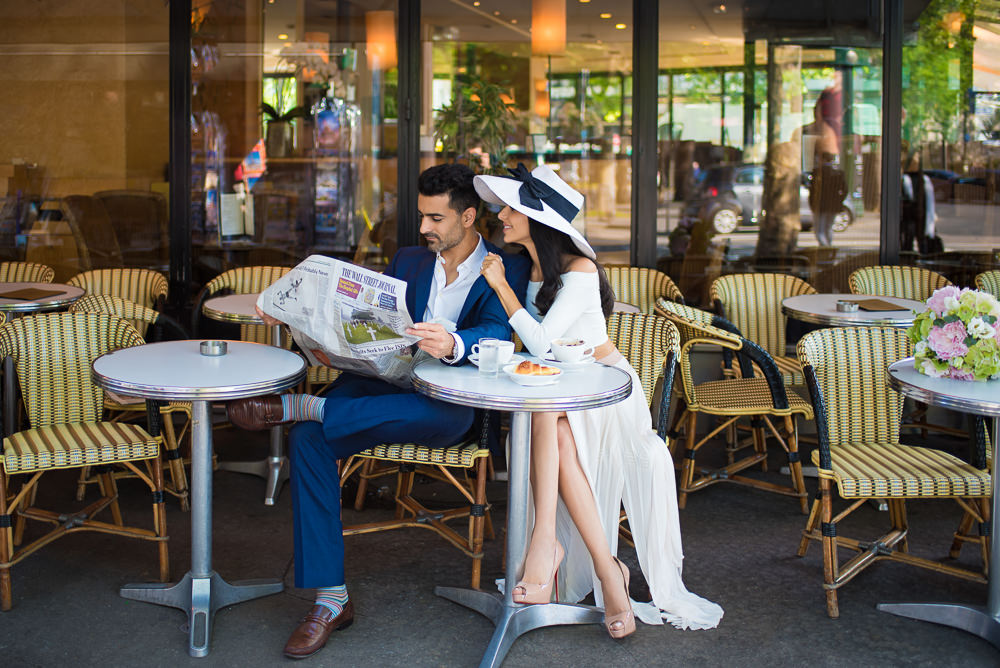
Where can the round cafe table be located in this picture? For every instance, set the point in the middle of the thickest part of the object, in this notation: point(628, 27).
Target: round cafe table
point(978, 399)
point(821, 309)
point(176, 370)
point(595, 386)
point(274, 468)
point(28, 297)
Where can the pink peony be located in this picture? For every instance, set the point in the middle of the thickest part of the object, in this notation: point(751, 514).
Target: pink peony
point(936, 302)
point(948, 341)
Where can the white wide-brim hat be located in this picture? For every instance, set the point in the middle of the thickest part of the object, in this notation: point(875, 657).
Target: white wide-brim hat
point(541, 196)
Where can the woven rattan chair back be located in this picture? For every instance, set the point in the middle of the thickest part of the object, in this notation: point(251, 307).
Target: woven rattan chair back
point(892, 281)
point(142, 286)
point(242, 281)
point(752, 302)
point(140, 317)
point(850, 364)
point(53, 354)
point(641, 286)
point(26, 272)
point(989, 281)
point(645, 341)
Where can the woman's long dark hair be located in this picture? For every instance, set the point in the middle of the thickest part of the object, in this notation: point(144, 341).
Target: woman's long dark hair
point(552, 247)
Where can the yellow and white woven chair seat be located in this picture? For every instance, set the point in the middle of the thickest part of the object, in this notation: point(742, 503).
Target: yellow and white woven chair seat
point(790, 368)
point(463, 454)
point(749, 396)
point(892, 470)
point(74, 445)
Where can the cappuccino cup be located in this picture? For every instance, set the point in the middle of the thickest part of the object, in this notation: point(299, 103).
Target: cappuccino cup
point(570, 350)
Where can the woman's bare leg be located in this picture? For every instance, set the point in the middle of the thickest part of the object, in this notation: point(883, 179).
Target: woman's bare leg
point(545, 494)
point(579, 499)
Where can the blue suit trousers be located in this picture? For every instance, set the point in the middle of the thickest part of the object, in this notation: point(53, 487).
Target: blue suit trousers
point(360, 413)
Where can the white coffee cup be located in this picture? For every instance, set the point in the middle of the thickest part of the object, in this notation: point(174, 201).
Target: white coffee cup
point(570, 350)
point(505, 349)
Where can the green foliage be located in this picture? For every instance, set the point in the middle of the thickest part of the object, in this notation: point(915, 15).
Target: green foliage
point(935, 81)
point(477, 119)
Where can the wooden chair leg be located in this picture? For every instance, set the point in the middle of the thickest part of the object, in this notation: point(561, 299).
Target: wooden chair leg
point(478, 516)
point(160, 518)
point(811, 524)
point(795, 462)
point(964, 529)
point(366, 469)
point(897, 515)
point(830, 566)
point(172, 452)
point(404, 486)
point(760, 441)
point(687, 466)
point(110, 489)
point(6, 547)
point(81, 483)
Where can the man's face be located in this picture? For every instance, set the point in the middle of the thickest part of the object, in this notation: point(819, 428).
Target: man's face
point(440, 224)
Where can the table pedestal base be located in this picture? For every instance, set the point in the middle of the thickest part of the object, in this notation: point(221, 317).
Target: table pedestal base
point(201, 597)
point(274, 469)
point(972, 618)
point(515, 620)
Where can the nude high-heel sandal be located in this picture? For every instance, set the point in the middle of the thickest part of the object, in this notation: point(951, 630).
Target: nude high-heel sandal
point(532, 593)
point(622, 624)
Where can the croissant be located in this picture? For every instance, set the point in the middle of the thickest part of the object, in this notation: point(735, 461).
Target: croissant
point(529, 368)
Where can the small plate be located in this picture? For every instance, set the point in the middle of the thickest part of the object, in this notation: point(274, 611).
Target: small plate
point(530, 381)
point(514, 359)
point(549, 358)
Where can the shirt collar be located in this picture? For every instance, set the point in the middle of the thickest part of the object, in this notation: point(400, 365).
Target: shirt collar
point(473, 262)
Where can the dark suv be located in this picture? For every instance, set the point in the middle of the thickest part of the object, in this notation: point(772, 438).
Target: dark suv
point(728, 196)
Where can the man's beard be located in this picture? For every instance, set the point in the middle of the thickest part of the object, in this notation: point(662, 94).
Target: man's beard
point(437, 244)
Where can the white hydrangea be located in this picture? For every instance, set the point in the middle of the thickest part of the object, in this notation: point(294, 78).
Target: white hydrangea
point(950, 304)
point(920, 347)
point(929, 369)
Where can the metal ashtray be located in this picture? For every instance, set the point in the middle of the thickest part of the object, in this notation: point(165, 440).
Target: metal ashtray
point(843, 305)
point(214, 348)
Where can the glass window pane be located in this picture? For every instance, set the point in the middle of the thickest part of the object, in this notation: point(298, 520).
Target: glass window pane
point(85, 128)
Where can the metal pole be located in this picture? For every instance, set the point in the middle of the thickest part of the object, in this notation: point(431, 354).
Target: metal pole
point(645, 69)
point(180, 152)
point(201, 490)
point(892, 106)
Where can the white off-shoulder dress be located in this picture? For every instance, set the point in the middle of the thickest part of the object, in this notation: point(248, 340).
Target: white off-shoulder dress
point(625, 462)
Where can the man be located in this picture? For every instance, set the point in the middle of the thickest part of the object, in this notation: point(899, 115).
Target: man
point(443, 285)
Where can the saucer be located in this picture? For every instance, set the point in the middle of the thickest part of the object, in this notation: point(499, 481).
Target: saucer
point(549, 358)
point(514, 359)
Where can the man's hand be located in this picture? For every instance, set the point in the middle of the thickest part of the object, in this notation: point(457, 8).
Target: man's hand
point(436, 340)
point(268, 320)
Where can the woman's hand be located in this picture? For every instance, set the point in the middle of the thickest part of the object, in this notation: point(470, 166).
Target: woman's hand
point(492, 270)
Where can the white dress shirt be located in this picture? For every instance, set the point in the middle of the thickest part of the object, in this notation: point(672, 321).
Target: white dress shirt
point(445, 300)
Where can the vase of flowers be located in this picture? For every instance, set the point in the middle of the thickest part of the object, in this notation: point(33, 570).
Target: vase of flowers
point(958, 335)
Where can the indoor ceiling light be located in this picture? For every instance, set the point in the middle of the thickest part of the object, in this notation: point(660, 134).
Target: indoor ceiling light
point(548, 27)
point(719, 8)
point(380, 33)
point(605, 15)
point(282, 36)
point(620, 26)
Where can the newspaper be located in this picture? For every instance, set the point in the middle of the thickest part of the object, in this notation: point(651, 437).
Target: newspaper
point(345, 316)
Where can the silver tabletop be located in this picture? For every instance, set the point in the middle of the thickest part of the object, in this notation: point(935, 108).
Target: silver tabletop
point(177, 370)
point(65, 295)
point(594, 386)
point(274, 468)
point(821, 309)
point(977, 399)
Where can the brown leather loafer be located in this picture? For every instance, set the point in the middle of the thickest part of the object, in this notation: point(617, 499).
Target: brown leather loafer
point(256, 413)
point(315, 628)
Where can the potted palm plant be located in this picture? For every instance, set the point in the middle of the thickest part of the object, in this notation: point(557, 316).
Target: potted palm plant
point(279, 137)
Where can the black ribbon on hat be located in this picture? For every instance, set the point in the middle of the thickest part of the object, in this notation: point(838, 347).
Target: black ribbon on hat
point(534, 191)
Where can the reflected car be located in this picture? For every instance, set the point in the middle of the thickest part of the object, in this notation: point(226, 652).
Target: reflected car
point(729, 197)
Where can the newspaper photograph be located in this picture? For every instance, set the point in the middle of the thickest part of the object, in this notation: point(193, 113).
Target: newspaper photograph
point(345, 317)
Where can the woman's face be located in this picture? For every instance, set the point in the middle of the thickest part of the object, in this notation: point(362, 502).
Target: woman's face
point(515, 226)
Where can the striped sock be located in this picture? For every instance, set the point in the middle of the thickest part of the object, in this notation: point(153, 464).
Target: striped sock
point(298, 407)
point(332, 598)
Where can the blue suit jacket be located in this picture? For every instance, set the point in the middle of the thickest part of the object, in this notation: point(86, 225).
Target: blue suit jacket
point(482, 314)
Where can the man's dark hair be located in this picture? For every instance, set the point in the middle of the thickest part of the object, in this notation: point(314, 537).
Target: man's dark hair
point(452, 179)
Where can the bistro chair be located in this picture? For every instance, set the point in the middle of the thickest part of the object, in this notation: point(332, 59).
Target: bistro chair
point(989, 281)
point(53, 355)
point(860, 456)
point(976, 517)
point(895, 281)
point(764, 399)
point(239, 281)
point(144, 287)
point(752, 302)
point(641, 286)
point(123, 407)
point(463, 466)
point(651, 345)
point(26, 272)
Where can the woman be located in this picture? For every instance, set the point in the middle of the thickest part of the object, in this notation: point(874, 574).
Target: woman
point(592, 459)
